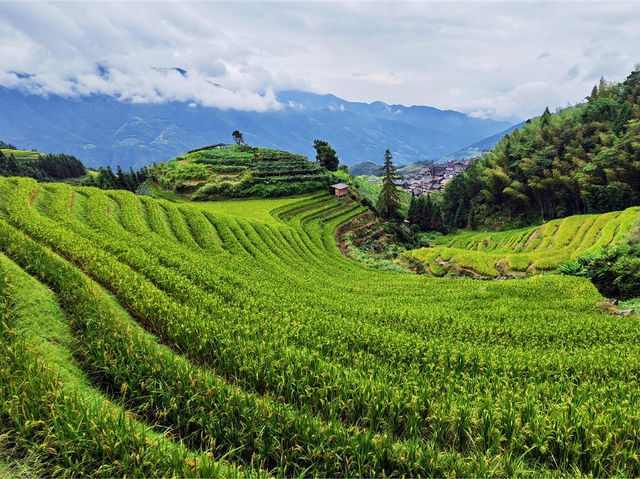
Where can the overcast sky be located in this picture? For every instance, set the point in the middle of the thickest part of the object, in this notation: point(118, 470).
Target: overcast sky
point(491, 59)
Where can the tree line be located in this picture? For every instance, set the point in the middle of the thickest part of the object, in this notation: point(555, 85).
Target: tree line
point(106, 179)
point(43, 168)
point(583, 159)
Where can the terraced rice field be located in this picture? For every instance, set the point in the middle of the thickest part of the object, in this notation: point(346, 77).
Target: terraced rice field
point(145, 338)
point(527, 249)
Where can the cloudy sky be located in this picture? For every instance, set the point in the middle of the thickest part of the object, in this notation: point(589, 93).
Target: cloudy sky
point(490, 59)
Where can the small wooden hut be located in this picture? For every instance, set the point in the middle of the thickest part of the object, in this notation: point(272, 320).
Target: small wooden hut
point(340, 190)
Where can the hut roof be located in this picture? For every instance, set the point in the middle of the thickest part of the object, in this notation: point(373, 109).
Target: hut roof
point(340, 186)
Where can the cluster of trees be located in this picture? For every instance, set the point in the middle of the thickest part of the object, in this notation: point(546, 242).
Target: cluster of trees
point(106, 179)
point(43, 168)
point(584, 159)
point(426, 214)
point(7, 146)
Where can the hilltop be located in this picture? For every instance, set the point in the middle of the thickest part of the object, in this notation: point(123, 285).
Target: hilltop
point(235, 171)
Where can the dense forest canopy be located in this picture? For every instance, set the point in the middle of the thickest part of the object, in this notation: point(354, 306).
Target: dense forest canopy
point(38, 166)
point(583, 159)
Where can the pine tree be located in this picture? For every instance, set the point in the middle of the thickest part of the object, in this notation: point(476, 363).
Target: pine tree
point(121, 179)
point(458, 219)
point(435, 223)
point(110, 180)
point(411, 214)
point(426, 212)
point(388, 201)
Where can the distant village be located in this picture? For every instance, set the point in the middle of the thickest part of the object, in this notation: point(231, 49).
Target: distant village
point(433, 178)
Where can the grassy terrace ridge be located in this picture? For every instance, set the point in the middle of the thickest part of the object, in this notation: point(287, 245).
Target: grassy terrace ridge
point(234, 338)
point(236, 171)
point(537, 248)
point(22, 154)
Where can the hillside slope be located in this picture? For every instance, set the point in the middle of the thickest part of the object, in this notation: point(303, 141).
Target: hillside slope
point(584, 159)
point(477, 148)
point(40, 166)
point(528, 249)
point(102, 131)
point(250, 337)
point(233, 171)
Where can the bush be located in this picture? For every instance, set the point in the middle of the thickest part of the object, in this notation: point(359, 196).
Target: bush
point(616, 273)
point(577, 267)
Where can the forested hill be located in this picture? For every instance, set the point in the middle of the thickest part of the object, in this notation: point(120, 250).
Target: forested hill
point(584, 159)
point(42, 167)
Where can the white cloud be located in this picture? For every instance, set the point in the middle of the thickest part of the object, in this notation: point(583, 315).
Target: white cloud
point(486, 58)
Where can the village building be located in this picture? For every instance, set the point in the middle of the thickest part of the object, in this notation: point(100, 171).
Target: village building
point(433, 178)
point(340, 190)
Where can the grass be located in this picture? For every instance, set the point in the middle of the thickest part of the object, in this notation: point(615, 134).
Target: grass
point(538, 248)
point(631, 304)
point(40, 322)
point(22, 154)
point(249, 209)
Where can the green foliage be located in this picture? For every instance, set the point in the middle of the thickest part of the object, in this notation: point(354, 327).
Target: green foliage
point(573, 267)
point(425, 214)
point(388, 205)
point(236, 171)
point(257, 341)
point(105, 179)
point(616, 272)
point(370, 193)
point(39, 166)
point(325, 155)
point(566, 244)
point(584, 159)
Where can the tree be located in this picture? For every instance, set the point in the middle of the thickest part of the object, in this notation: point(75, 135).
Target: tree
point(426, 212)
point(411, 213)
point(325, 155)
point(237, 136)
point(388, 201)
point(121, 182)
point(459, 220)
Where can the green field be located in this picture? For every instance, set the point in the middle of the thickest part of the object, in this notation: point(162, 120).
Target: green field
point(146, 338)
point(537, 248)
point(236, 171)
point(21, 154)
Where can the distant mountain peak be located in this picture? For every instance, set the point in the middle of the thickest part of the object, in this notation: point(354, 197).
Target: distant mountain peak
point(138, 134)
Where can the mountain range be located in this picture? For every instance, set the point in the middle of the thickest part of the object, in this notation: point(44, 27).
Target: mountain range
point(100, 130)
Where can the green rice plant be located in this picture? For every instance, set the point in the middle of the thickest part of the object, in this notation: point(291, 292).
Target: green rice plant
point(279, 353)
point(538, 248)
point(60, 427)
